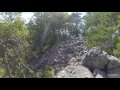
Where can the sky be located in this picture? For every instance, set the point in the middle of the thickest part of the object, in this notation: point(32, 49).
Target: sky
point(28, 15)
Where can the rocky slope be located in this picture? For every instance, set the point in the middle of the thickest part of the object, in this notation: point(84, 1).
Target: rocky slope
point(72, 59)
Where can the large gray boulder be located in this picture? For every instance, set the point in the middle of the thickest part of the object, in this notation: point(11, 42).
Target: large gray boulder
point(113, 67)
point(95, 58)
point(75, 72)
point(97, 73)
point(114, 73)
point(113, 62)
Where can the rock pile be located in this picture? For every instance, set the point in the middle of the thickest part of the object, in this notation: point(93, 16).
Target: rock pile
point(59, 56)
point(72, 59)
point(98, 60)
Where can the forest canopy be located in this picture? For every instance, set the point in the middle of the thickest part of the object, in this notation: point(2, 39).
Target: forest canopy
point(21, 42)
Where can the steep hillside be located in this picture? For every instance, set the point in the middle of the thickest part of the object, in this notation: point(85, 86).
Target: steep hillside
point(72, 59)
point(60, 55)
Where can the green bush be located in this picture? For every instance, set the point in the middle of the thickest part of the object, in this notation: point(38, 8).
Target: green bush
point(2, 73)
point(48, 74)
point(100, 27)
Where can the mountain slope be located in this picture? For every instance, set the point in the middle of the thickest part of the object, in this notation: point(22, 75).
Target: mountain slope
point(62, 53)
point(72, 59)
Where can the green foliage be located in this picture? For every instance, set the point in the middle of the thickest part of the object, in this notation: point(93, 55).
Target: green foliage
point(2, 73)
point(45, 29)
point(74, 20)
point(14, 51)
point(19, 42)
point(101, 26)
point(48, 74)
point(119, 59)
point(116, 51)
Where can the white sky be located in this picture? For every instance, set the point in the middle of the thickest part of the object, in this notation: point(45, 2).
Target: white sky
point(28, 15)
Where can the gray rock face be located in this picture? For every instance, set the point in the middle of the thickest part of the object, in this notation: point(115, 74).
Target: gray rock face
point(114, 73)
point(75, 72)
point(99, 74)
point(113, 67)
point(95, 58)
point(60, 54)
point(71, 59)
point(113, 62)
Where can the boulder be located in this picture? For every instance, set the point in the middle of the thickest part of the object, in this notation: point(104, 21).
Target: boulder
point(114, 73)
point(113, 67)
point(113, 62)
point(72, 61)
point(97, 73)
point(95, 58)
point(98, 76)
point(75, 72)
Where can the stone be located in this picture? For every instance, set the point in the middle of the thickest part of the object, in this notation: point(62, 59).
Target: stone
point(113, 62)
point(98, 76)
point(75, 72)
point(72, 59)
point(113, 67)
point(113, 73)
point(97, 73)
point(95, 58)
